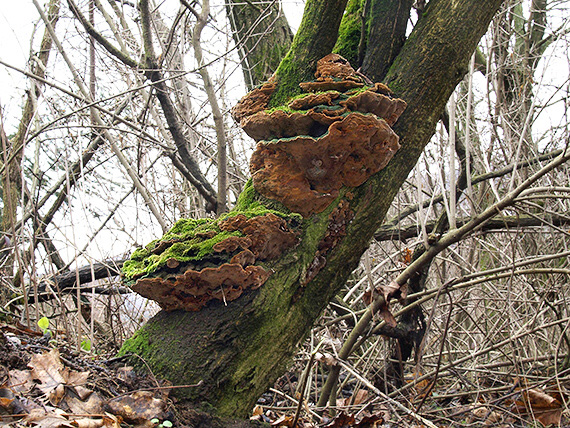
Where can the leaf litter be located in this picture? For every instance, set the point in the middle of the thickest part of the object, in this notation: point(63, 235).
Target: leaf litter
point(47, 387)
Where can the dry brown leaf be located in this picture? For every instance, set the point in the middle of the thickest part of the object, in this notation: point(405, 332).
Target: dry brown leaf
point(6, 398)
point(82, 392)
point(325, 358)
point(403, 291)
point(406, 256)
point(359, 397)
point(488, 415)
point(57, 395)
point(283, 421)
point(387, 315)
point(41, 418)
point(21, 381)
point(422, 387)
point(28, 405)
point(106, 421)
point(368, 296)
point(47, 369)
point(93, 405)
point(112, 421)
point(388, 291)
point(540, 400)
point(540, 406)
point(88, 423)
point(341, 420)
point(73, 378)
point(126, 374)
point(372, 421)
point(137, 407)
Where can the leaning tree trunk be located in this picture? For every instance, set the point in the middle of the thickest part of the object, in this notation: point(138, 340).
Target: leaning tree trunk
point(237, 347)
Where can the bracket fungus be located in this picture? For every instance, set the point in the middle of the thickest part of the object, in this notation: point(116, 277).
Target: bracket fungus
point(338, 133)
point(203, 260)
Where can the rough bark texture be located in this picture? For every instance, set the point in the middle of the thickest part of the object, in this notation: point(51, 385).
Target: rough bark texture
point(315, 38)
point(240, 349)
point(263, 37)
point(386, 27)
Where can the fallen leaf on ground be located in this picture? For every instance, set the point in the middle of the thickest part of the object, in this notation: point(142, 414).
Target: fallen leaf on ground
point(21, 381)
point(488, 415)
point(93, 404)
point(283, 421)
point(137, 407)
point(47, 369)
point(41, 418)
point(107, 421)
point(344, 420)
point(539, 405)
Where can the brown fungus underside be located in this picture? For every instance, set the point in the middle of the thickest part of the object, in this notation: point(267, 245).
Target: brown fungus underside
point(190, 288)
point(338, 134)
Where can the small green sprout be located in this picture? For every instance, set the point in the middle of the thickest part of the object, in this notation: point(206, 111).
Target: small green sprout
point(86, 345)
point(43, 324)
point(164, 424)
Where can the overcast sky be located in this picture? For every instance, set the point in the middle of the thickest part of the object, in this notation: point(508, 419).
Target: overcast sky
point(16, 27)
point(17, 20)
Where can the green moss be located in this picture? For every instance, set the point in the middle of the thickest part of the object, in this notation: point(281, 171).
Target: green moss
point(135, 344)
point(247, 197)
point(285, 108)
point(350, 31)
point(187, 241)
point(288, 76)
point(356, 91)
point(183, 251)
point(188, 227)
point(250, 203)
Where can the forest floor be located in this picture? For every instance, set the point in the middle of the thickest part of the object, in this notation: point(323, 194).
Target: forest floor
point(45, 382)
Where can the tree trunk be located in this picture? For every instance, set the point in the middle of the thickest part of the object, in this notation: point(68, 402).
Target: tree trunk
point(13, 156)
point(239, 349)
point(387, 26)
point(263, 37)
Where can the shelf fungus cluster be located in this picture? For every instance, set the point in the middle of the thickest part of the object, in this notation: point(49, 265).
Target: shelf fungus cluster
point(203, 260)
point(337, 133)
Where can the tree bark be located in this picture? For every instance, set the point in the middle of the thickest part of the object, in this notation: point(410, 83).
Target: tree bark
point(263, 37)
point(315, 38)
point(11, 179)
point(387, 24)
point(238, 350)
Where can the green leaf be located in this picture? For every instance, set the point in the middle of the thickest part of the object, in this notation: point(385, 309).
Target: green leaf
point(86, 345)
point(43, 323)
point(154, 421)
point(167, 424)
